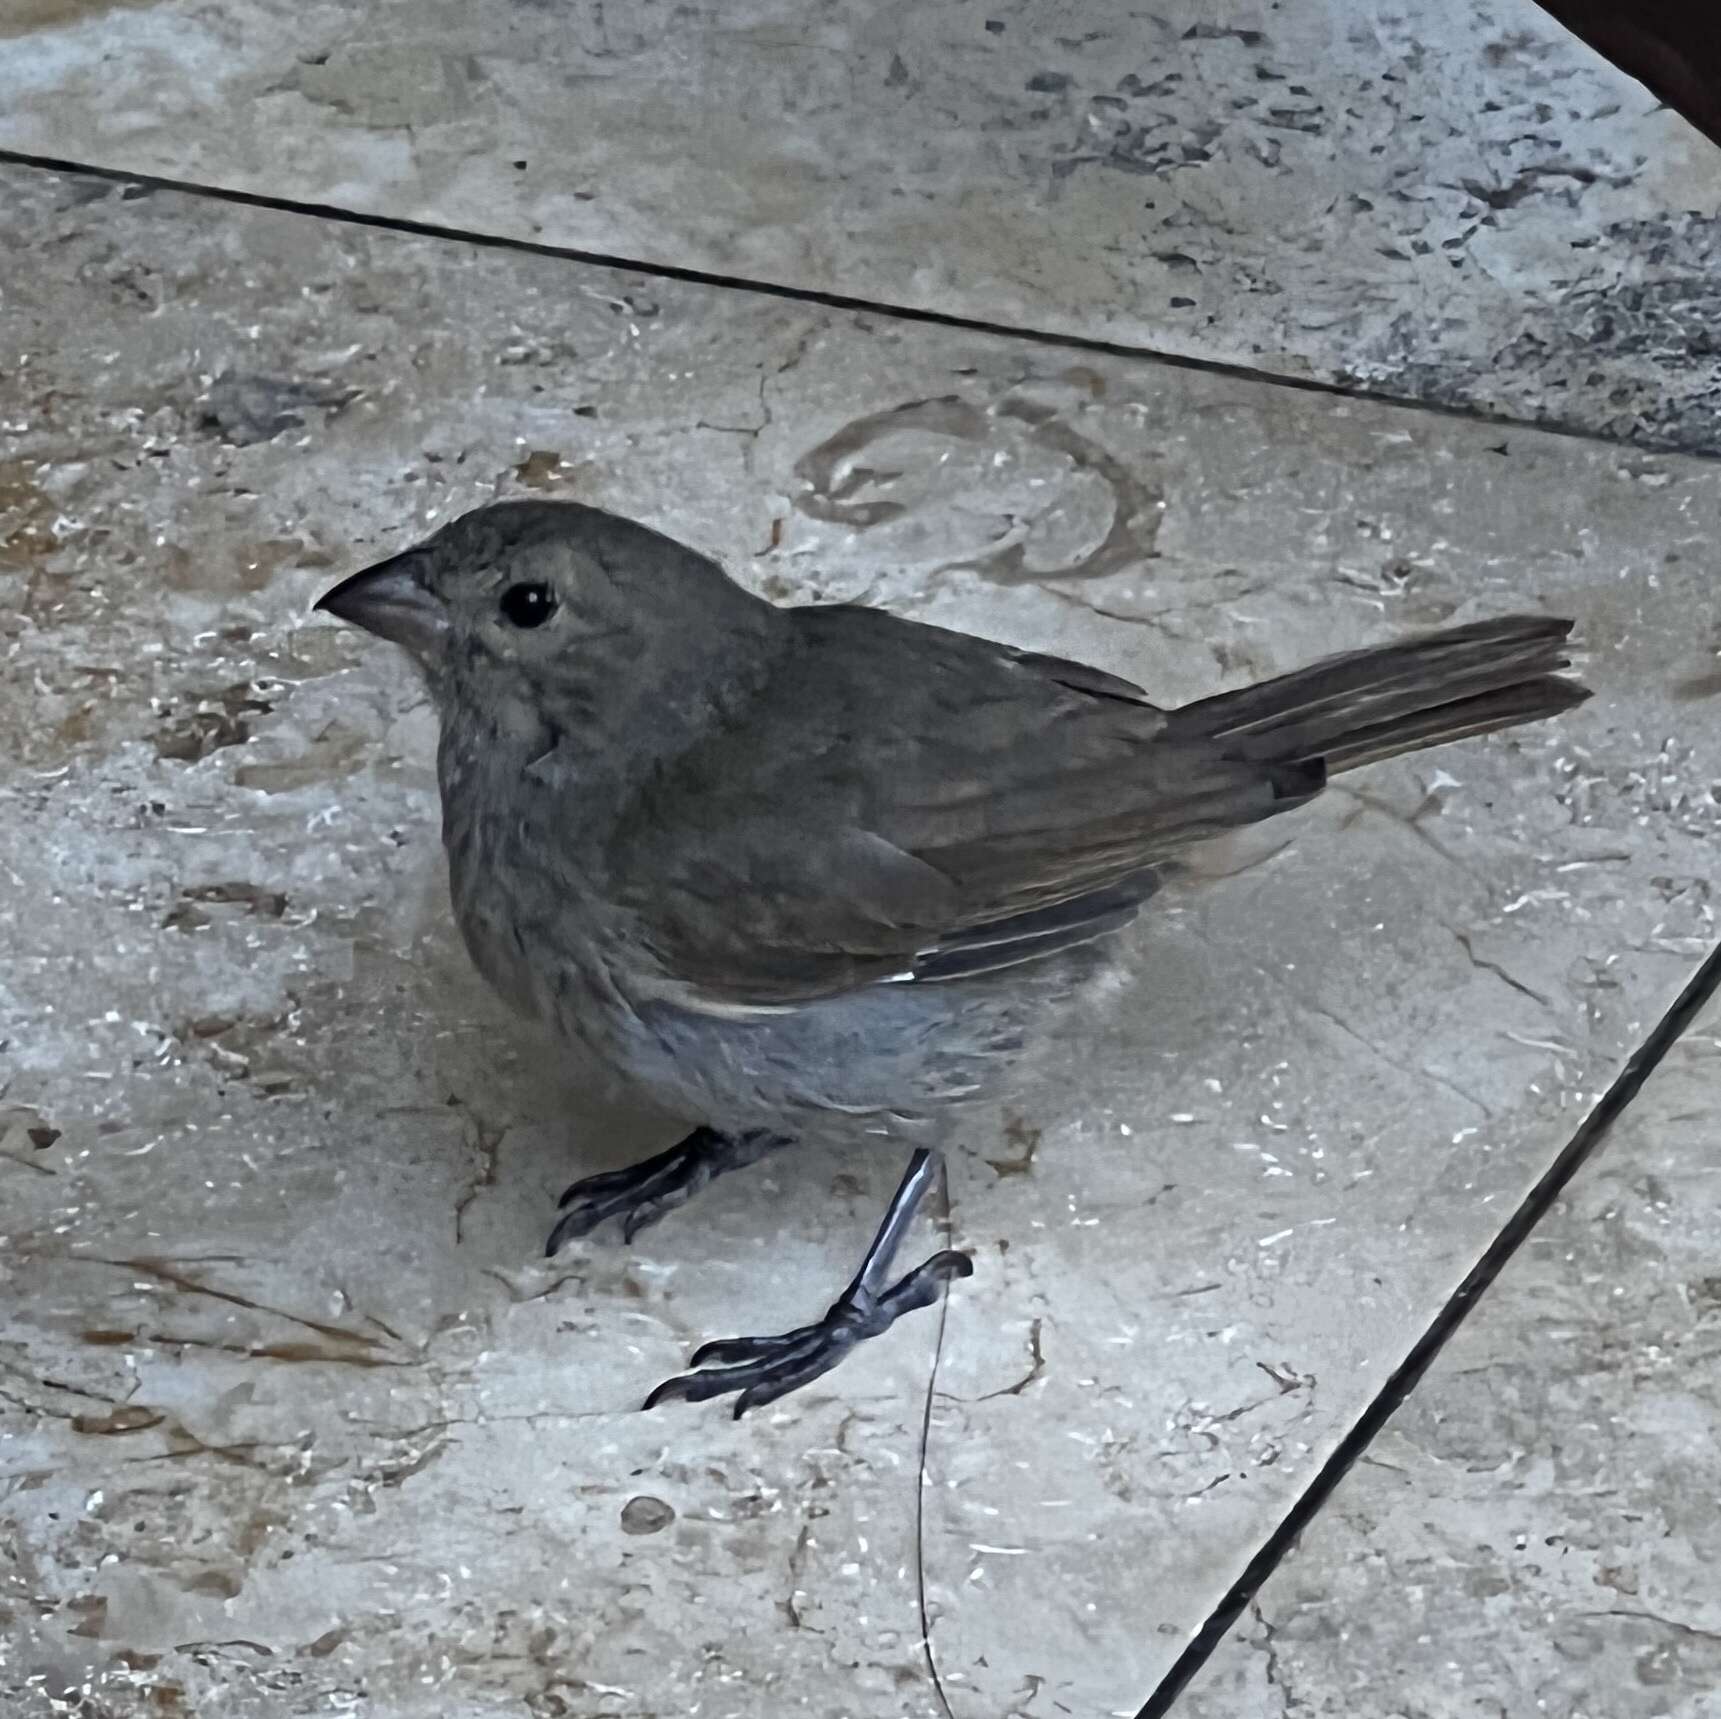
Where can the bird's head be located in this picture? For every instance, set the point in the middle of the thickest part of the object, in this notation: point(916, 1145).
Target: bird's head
point(556, 608)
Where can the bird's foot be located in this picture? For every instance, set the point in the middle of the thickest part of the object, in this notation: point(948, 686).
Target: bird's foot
point(641, 1193)
point(765, 1368)
point(762, 1369)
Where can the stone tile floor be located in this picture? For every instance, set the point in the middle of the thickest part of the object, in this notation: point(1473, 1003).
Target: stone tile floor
point(292, 1418)
point(1537, 1531)
point(1463, 205)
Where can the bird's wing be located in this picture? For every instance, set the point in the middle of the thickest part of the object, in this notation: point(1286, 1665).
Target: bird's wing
point(904, 803)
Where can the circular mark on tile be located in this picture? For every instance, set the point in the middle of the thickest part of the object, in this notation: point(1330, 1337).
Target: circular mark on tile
point(645, 1515)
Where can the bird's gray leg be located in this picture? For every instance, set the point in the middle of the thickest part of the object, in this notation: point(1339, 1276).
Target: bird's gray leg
point(640, 1194)
point(765, 1368)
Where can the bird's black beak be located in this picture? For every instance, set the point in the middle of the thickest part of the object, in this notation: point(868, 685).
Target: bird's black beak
point(393, 601)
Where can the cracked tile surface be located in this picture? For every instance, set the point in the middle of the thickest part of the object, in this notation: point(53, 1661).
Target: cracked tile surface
point(292, 1417)
point(1537, 1529)
point(1460, 205)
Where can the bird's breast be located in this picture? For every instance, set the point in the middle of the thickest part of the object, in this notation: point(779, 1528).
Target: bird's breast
point(536, 925)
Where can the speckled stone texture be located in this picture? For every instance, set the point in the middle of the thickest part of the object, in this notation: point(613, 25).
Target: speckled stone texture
point(293, 1418)
point(1458, 204)
point(1538, 1530)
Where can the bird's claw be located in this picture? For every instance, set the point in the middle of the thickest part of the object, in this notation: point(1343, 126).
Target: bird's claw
point(762, 1369)
point(640, 1194)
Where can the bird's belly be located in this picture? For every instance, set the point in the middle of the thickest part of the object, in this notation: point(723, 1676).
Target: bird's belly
point(884, 1058)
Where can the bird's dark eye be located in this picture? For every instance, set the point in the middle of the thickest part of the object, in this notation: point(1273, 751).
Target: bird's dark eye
point(528, 605)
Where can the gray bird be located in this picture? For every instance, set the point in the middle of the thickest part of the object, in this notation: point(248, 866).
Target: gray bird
point(784, 866)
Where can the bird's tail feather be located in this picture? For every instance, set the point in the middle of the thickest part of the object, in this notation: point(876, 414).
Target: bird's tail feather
point(1373, 704)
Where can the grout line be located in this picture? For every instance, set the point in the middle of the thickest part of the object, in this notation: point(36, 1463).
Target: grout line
point(835, 301)
point(1704, 984)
